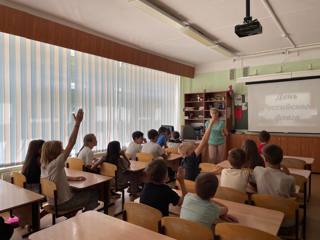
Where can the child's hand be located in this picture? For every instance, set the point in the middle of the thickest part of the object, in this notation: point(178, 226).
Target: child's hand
point(181, 173)
point(79, 117)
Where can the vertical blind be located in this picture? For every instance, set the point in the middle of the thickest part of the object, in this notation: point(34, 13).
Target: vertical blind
point(42, 85)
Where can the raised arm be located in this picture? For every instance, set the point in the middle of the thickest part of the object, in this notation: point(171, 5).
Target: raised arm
point(180, 178)
point(204, 139)
point(73, 137)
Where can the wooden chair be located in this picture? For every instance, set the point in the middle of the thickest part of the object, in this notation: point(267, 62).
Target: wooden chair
point(75, 163)
point(293, 163)
point(231, 231)
point(182, 229)
point(288, 206)
point(18, 179)
point(171, 150)
point(143, 215)
point(190, 185)
point(210, 168)
point(110, 170)
point(49, 189)
point(231, 194)
point(144, 157)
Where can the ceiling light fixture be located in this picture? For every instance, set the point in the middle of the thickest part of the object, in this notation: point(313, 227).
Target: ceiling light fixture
point(163, 16)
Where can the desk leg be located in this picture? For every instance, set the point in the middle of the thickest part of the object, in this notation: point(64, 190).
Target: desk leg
point(304, 211)
point(309, 188)
point(106, 186)
point(35, 214)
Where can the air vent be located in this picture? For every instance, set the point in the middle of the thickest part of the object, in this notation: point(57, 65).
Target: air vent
point(232, 74)
point(245, 71)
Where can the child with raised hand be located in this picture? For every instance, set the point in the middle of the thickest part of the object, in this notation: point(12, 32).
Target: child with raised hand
point(191, 154)
point(156, 193)
point(53, 159)
point(236, 177)
point(85, 153)
point(200, 207)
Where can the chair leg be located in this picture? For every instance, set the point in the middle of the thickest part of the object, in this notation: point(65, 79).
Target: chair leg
point(122, 199)
point(297, 224)
point(53, 219)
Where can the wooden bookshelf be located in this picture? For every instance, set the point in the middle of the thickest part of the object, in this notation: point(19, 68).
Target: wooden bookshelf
point(197, 107)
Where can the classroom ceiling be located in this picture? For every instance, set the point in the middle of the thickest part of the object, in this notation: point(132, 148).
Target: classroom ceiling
point(122, 21)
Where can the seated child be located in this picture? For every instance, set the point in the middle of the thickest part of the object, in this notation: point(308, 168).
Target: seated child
point(264, 138)
point(200, 207)
point(275, 179)
point(117, 157)
point(253, 158)
point(156, 193)
point(135, 146)
point(191, 154)
point(236, 177)
point(152, 147)
point(85, 153)
point(175, 141)
point(31, 168)
point(53, 159)
point(164, 135)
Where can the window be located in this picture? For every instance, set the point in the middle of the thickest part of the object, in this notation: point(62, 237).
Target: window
point(42, 84)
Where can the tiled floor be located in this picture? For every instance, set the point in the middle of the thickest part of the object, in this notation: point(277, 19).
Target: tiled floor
point(313, 220)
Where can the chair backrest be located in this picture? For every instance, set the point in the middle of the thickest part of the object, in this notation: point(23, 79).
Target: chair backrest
point(300, 181)
point(144, 157)
point(108, 169)
point(231, 194)
point(231, 231)
point(75, 163)
point(286, 205)
point(210, 168)
point(143, 215)
point(48, 188)
point(190, 185)
point(171, 150)
point(18, 179)
point(182, 229)
point(293, 163)
point(188, 132)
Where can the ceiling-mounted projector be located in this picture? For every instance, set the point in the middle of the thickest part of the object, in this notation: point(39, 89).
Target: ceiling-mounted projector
point(249, 27)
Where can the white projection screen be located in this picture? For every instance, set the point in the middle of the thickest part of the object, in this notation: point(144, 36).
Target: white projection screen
point(290, 107)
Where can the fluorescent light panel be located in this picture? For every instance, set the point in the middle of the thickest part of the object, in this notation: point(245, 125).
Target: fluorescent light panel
point(187, 30)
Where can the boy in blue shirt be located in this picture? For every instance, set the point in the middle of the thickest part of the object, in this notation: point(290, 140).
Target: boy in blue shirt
point(164, 135)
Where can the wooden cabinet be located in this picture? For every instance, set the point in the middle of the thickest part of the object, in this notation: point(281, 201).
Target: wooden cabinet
point(292, 145)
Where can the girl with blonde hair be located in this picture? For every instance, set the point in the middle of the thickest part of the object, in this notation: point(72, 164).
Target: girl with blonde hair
point(53, 158)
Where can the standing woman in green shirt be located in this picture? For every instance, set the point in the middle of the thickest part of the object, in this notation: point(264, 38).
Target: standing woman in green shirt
point(216, 140)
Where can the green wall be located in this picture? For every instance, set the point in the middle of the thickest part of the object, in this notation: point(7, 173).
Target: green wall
point(219, 80)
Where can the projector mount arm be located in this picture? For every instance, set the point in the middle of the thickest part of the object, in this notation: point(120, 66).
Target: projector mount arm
point(248, 18)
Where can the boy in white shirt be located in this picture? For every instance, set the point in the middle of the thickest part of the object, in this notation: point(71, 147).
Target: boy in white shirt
point(236, 177)
point(275, 178)
point(152, 147)
point(136, 145)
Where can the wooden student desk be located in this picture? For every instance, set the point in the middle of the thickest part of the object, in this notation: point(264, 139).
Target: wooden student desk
point(173, 161)
point(250, 216)
point(12, 196)
point(136, 166)
point(97, 226)
point(92, 180)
